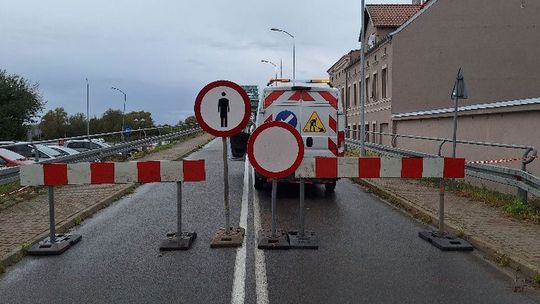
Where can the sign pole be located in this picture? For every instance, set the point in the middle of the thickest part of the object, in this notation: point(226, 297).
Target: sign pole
point(274, 220)
point(179, 208)
point(302, 215)
point(226, 186)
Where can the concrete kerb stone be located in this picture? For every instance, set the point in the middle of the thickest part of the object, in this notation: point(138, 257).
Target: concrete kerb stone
point(491, 251)
point(17, 254)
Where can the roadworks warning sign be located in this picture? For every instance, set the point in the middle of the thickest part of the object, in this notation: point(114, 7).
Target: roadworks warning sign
point(314, 124)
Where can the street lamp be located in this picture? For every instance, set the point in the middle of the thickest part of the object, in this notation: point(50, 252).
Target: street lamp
point(123, 113)
point(293, 51)
point(363, 84)
point(270, 62)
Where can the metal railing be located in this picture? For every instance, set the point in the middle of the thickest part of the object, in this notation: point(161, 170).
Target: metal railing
point(10, 175)
point(523, 181)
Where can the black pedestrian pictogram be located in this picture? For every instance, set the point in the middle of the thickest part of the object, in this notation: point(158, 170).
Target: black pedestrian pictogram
point(223, 109)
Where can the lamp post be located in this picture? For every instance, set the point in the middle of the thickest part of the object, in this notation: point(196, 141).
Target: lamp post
point(275, 66)
point(293, 51)
point(87, 108)
point(124, 112)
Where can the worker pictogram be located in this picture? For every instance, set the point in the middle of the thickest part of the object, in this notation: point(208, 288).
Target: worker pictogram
point(314, 124)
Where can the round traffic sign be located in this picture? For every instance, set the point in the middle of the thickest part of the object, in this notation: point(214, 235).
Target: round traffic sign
point(275, 149)
point(222, 108)
point(288, 117)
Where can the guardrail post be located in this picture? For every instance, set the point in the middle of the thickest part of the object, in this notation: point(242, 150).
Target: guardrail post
point(522, 193)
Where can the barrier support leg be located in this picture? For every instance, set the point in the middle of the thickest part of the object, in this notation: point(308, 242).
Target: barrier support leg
point(178, 240)
point(440, 239)
point(228, 236)
point(273, 238)
point(56, 243)
point(302, 239)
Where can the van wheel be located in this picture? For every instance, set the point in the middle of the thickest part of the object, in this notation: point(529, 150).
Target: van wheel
point(330, 187)
point(258, 184)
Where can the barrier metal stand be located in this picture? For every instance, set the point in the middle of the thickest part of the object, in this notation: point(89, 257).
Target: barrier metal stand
point(302, 239)
point(273, 239)
point(440, 239)
point(178, 240)
point(228, 236)
point(56, 243)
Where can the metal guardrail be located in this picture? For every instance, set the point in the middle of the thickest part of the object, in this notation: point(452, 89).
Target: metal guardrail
point(10, 175)
point(522, 180)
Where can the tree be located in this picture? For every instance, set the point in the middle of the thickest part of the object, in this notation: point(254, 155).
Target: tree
point(140, 119)
point(20, 102)
point(111, 121)
point(76, 125)
point(54, 124)
point(190, 120)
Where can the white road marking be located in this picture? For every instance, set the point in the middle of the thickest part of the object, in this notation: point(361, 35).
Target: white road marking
point(239, 284)
point(261, 282)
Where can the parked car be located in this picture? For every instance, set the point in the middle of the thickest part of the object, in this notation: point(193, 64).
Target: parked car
point(9, 158)
point(82, 145)
point(27, 150)
point(64, 150)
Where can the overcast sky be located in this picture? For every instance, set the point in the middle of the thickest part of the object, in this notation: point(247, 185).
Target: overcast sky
point(161, 53)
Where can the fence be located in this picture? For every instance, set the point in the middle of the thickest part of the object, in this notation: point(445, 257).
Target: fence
point(523, 181)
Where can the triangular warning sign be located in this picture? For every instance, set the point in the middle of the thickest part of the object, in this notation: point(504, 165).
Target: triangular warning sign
point(314, 124)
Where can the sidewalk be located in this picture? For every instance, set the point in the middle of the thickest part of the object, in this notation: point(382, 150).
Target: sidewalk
point(27, 222)
point(510, 242)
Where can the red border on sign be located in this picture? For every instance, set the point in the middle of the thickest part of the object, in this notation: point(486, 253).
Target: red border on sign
point(205, 126)
point(296, 163)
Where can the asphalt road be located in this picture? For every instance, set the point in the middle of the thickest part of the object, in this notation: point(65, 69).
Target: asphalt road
point(369, 253)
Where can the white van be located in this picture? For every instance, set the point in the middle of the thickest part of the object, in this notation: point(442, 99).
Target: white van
point(315, 110)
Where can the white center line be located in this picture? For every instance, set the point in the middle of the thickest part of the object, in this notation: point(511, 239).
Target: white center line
point(261, 283)
point(239, 284)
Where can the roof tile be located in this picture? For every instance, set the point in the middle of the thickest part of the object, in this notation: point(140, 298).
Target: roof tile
point(391, 15)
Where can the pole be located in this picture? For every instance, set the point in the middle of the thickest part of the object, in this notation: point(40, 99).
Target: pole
point(178, 209)
point(293, 60)
point(87, 108)
point(302, 209)
point(441, 206)
point(226, 186)
point(362, 86)
point(274, 192)
point(123, 116)
point(52, 237)
point(455, 125)
point(281, 68)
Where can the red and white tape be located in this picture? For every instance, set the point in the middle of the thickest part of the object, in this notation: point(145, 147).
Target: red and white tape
point(500, 161)
point(112, 173)
point(381, 167)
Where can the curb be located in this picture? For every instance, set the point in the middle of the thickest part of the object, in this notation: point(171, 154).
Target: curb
point(427, 217)
point(75, 219)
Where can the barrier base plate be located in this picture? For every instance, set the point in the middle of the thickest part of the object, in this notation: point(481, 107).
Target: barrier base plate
point(445, 242)
point(307, 241)
point(235, 238)
point(174, 242)
point(267, 241)
point(62, 243)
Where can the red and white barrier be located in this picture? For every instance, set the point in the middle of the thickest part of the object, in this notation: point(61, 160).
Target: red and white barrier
point(381, 167)
point(112, 173)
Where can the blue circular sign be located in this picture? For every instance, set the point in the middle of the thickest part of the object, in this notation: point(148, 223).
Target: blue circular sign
point(288, 117)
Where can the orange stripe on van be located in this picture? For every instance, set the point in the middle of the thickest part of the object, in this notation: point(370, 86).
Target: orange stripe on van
point(301, 95)
point(272, 97)
point(329, 98)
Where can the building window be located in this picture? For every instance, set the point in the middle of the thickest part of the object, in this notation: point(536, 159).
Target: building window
point(373, 138)
point(375, 57)
point(367, 88)
point(374, 87)
point(355, 92)
point(367, 63)
point(354, 133)
point(384, 51)
point(347, 98)
point(384, 79)
point(366, 136)
point(343, 98)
